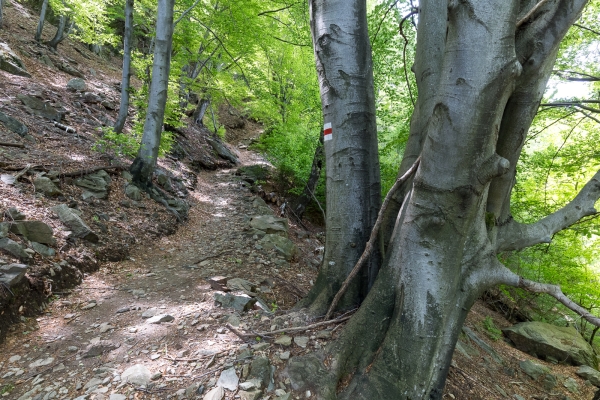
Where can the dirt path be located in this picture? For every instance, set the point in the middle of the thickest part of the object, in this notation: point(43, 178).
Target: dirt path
point(85, 341)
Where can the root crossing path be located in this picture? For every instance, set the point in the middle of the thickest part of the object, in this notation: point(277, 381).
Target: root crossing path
point(149, 327)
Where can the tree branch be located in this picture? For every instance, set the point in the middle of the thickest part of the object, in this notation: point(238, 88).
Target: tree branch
point(183, 14)
point(530, 13)
point(374, 233)
point(516, 236)
point(586, 77)
point(276, 11)
point(578, 104)
point(587, 29)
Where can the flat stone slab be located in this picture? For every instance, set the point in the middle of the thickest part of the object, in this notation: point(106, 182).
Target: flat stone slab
point(12, 274)
point(159, 319)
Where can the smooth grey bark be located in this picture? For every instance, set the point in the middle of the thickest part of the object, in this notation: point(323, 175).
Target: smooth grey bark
point(59, 36)
point(345, 73)
point(298, 205)
point(126, 75)
point(480, 79)
point(200, 111)
point(40, 25)
point(144, 164)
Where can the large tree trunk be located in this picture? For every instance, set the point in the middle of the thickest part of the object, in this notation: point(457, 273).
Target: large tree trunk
point(344, 67)
point(444, 245)
point(125, 77)
point(298, 205)
point(144, 164)
point(40, 25)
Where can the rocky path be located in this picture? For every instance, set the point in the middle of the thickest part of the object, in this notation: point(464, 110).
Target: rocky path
point(149, 327)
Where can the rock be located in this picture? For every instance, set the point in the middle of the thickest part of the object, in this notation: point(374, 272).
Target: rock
point(14, 248)
point(254, 173)
point(78, 228)
point(77, 85)
point(282, 245)
point(15, 214)
point(589, 374)
point(14, 359)
point(91, 98)
point(549, 341)
point(14, 125)
point(39, 107)
point(261, 369)
point(44, 59)
point(99, 348)
point(93, 383)
point(571, 385)
point(149, 313)
point(217, 282)
point(239, 302)
point(284, 340)
point(306, 372)
point(250, 394)
point(43, 250)
point(228, 379)
point(137, 374)
point(95, 185)
point(215, 394)
point(270, 224)
point(115, 396)
point(105, 327)
point(133, 192)
point(285, 355)
point(11, 63)
point(35, 231)
point(108, 105)
point(534, 370)
point(549, 382)
point(8, 179)
point(45, 185)
point(70, 70)
point(41, 362)
point(301, 341)
point(4, 229)
point(483, 345)
point(240, 284)
point(159, 319)
point(12, 274)
point(222, 150)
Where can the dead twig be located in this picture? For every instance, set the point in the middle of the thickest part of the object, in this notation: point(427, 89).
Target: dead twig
point(7, 144)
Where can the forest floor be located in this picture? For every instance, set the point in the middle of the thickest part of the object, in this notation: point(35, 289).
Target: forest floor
point(79, 337)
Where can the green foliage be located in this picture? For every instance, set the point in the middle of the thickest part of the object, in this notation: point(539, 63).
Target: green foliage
point(9, 387)
point(491, 329)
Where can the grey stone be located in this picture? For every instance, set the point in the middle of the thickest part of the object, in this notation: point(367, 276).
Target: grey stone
point(35, 231)
point(15, 214)
point(191, 390)
point(44, 59)
point(301, 341)
point(534, 370)
point(4, 229)
point(14, 124)
point(240, 284)
point(91, 98)
point(250, 394)
point(137, 374)
point(254, 173)
point(43, 249)
point(70, 70)
point(590, 374)
point(215, 394)
point(571, 385)
point(483, 345)
point(93, 383)
point(11, 63)
point(261, 369)
point(45, 185)
point(41, 108)
point(239, 302)
point(159, 319)
point(306, 372)
point(95, 185)
point(549, 341)
point(284, 340)
point(149, 313)
point(549, 382)
point(79, 229)
point(270, 224)
point(99, 348)
point(133, 192)
point(77, 84)
point(116, 396)
point(228, 379)
point(222, 150)
point(41, 362)
point(282, 245)
point(285, 355)
point(8, 179)
point(14, 248)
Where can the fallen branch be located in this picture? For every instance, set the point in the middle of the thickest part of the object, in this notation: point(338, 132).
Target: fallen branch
point(6, 144)
point(244, 336)
point(374, 233)
point(68, 129)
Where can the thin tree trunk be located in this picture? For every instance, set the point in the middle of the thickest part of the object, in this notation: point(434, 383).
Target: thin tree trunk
point(125, 77)
point(144, 164)
point(344, 67)
point(200, 111)
point(40, 26)
point(299, 204)
point(59, 36)
point(1, 13)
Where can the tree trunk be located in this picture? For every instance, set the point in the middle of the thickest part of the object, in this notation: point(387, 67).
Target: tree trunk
point(344, 67)
point(40, 26)
point(200, 111)
point(1, 13)
point(145, 162)
point(444, 248)
point(299, 204)
point(59, 36)
point(125, 77)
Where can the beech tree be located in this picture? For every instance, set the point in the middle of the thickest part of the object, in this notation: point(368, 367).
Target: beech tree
point(144, 164)
point(481, 69)
point(126, 73)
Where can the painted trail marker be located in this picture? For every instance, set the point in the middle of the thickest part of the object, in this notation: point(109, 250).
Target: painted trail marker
point(327, 131)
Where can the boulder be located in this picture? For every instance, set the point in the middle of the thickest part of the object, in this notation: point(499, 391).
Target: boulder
point(39, 107)
point(260, 369)
point(222, 150)
point(11, 63)
point(534, 370)
point(589, 374)
point(78, 228)
point(14, 124)
point(77, 84)
point(36, 231)
point(137, 374)
point(70, 70)
point(91, 98)
point(239, 302)
point(270, 224)
point(95, 185)
point(546, 341)
point(45, 185)
point(133, 192)
point(282, 245)
point(13, 248)
point(12, 274)
point(228, 379)
point(43, 250)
